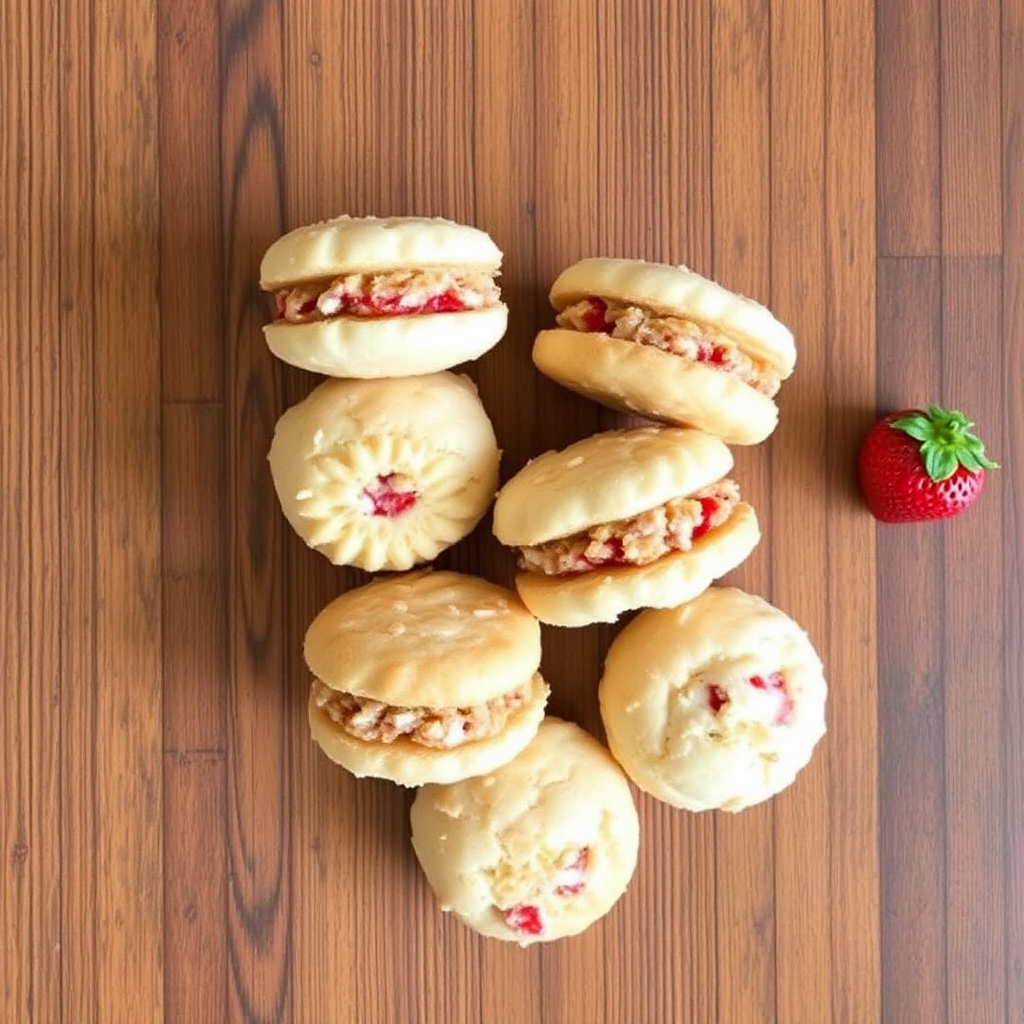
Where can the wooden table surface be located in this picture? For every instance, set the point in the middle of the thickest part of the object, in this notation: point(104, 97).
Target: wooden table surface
point(173, 845)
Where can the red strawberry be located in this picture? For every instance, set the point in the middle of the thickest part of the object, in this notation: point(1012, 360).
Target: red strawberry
point(916, 465)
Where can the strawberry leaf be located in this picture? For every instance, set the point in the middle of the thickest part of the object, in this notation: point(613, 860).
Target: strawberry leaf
point(973, 461)
point(939, 463)
point(946, 441)
point(916, 427)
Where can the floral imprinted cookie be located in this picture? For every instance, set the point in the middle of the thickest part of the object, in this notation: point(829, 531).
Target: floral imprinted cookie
point(385, 474)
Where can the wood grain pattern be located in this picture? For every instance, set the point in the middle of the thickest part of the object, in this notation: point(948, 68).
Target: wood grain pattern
point(1012, 335)
point(174, 847)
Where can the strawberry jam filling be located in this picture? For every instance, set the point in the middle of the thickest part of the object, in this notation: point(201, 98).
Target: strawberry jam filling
point(611, 552)
point(395, 293)
point(399, 305)
point(348, 304)
point(672, 334)
point(594, 316)
point(709, 507)
point(774, 683)
point(674, 526)
point(387, 498)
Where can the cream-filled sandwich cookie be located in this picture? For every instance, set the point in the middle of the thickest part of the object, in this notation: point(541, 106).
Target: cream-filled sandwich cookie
point(537, 850)
point(385, 474)
point(383, 297)
point(641, 518)
point(424, 677)
point(717, 704)
point(666, 343)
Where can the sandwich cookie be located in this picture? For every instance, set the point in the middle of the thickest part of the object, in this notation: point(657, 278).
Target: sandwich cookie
point(537, 850)
point(666, 343)
point(717, 704)
point(424, 677)
point(385, 474)
point(383, 297)
point(641, 518)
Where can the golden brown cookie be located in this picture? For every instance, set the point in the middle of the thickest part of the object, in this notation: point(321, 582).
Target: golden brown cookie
point(424, 677)
point(641, 518)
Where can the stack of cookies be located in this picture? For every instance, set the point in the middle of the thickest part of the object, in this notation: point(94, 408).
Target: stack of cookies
point(524, 825)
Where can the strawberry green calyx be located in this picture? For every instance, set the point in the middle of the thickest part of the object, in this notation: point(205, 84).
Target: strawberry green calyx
point(946, 442)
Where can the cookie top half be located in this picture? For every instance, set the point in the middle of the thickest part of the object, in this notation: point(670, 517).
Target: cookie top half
point(610, 476)
point(371, 244)
point(679, 291)
point(434, 638)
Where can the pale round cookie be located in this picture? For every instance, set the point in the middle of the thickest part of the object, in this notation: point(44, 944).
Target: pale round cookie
point(717, 704)
point(609, 478)
point(385, 474)
point(396, 270)
point(424, 677)
point(539, 849)
point(679, 291)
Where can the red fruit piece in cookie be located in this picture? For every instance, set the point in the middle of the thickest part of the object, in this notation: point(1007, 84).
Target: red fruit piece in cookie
point(386, 497)
point(573, 877)
point(777, 684)
point(774, 683)
point(525, 918)
point(714, 355)
point(594, 317)
point(708, 507)
point(717, 699)
point(613, 554)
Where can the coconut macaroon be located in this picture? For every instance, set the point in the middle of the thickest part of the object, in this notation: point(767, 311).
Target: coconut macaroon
point(385, 474)
point(717, 704)
point(383, 297)
point(424, 677)
point(537, 850)
point(666, 343)
point(641, 518)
